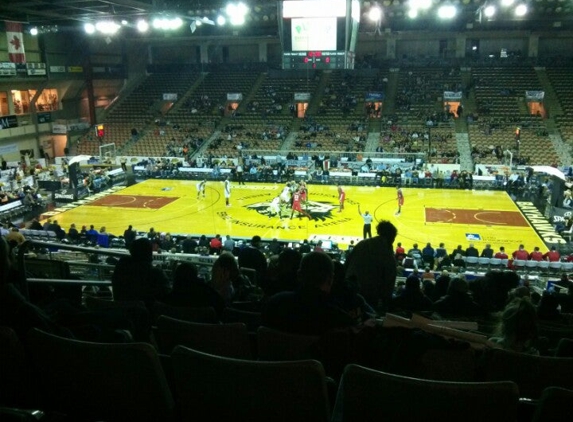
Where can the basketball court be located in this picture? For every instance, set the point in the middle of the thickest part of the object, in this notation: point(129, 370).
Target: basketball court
point(455, 217)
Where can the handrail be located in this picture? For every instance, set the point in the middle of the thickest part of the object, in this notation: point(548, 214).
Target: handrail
point(28, 244)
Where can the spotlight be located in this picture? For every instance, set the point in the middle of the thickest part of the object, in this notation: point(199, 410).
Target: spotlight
point(520, 10)
point(236, 13)
point(107, 27)
point(375, 14)
point(123, 22)
point(413, 13)
point(447, 11)
point(34, 31)
point(142, 25)
point(221, 20)
point(489, 11)
point(89, 28)
point(507, 3)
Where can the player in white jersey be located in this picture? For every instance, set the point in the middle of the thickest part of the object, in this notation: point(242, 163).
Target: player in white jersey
point(275, 207)
point(227, 192)
point(285, 194)
point(201, 188)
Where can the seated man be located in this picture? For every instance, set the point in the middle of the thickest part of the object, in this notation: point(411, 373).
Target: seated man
point(310, 310)
point(135, 278)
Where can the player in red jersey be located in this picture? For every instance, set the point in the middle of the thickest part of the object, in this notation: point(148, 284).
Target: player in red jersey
point(341, 198)
point(296, 205)
point(400, 199)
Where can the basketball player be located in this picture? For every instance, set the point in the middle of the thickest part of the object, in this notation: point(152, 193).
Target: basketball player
point(285, 194)
point(201, 188)
point(341, 198)
point(275, 207)
point(304, 195)
point(227, 192)
point(296, 206)
point(400, 199)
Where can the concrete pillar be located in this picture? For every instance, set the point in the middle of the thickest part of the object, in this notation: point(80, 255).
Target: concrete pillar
point(263, 55)
point(391, 48)
point(533, 47)
point(204, 53)
point(461, 41)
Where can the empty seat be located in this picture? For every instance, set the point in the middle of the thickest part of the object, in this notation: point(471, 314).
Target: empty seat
point(531, 373)
point(230, 340)
point(212, 387)
point(112, 382)
point(277, 345)
point(368, 395)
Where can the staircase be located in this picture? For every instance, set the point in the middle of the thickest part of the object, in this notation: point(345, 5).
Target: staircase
point(372, 141)
point(252, 92)
point(390, 99)
point(289, 141)
point(551, 102)
point(317, 94)
point(563, 150)
point(189, 92)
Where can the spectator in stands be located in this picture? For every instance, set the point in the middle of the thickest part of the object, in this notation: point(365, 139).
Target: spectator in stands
point(412, 298)
point(56, 228)
point(16, 311)
point(552, 255)
point(536, 255)
point(487, 252)
point(92, 234)
point(459, 261)
point(441, 286)
point(129, 236)
point(252, 257)
point(458, 251)
point(203, 242)
point(310, 310)
point(282, 276)
point(501, 254)
point(14, 237)
point(457, 301)
point(441, 251)
point(518, 329)
point(305, 247)
point(372, 266)
point(135, 277)
point(47, 224)
point(227, 280)
point(103, 238)
point(521, 253)
point(35, 225)
point(548, 308)
point(428, 255)
point(73, 234)
point(400, 252)
point(228, 244)
point(275, 247)
point(347, 298)
point(189, 245)
point(415, 252)
point(472, 251)
point(215, 245)
point(191, 291)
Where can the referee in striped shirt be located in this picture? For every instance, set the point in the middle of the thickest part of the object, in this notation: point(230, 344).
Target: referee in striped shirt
point(367, 217)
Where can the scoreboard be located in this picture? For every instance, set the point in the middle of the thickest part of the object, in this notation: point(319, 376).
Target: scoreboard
point(318, 34)
point(314, 60)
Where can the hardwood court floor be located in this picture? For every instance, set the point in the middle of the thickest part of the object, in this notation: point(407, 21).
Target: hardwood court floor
point(428, 215)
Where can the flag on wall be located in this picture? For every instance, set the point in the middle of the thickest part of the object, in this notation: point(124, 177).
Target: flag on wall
point(15, 42)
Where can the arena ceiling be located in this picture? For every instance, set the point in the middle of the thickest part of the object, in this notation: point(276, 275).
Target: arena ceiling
point(262, 16)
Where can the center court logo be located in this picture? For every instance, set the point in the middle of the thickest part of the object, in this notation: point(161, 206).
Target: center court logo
point(320, 211)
